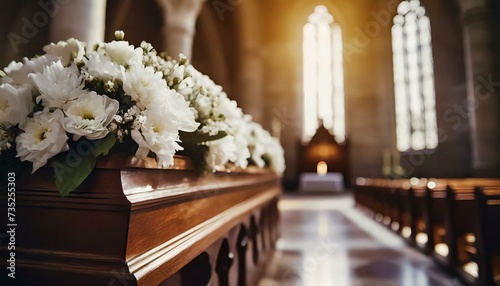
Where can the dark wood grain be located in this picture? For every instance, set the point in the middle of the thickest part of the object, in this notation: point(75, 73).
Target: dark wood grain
point(132, 222)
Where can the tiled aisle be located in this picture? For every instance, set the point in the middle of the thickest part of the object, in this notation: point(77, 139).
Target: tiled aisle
point(325, 241)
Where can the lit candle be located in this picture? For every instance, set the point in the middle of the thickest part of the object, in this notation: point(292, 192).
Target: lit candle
point(322, 168)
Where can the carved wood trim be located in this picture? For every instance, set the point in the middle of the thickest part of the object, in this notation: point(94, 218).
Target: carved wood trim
point(135, 225)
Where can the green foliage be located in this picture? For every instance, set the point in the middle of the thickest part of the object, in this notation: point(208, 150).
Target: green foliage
point(195, 138)
point(76, 165)
point(69, 177)
point(105, 144)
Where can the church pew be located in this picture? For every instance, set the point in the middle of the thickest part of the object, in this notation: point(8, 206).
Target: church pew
point(364, 196)
point(421, 235)
point(392, 204)
point(386, 200)
point(474, 248)
point(454, 220)
point(442, 234)
point(488, 201)
point(382, 195)
point(407, 212)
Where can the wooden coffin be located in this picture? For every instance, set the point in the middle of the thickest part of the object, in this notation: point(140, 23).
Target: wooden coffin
point(131, 223)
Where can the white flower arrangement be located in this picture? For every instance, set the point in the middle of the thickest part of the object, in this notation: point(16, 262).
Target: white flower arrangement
point(92, 100)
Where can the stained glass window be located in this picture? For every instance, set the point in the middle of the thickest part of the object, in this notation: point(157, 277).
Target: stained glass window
point(323, 75)
point(414, 78)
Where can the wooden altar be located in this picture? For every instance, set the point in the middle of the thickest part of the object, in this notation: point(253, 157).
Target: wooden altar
point(130, 223)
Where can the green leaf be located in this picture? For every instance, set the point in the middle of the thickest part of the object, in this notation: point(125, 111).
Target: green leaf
point(105, 144)
point(194, 138)
point(70, 173)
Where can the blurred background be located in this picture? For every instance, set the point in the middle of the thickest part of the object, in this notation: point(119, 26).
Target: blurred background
point(363, 88)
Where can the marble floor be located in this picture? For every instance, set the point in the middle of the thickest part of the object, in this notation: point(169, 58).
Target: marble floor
point(326, 241)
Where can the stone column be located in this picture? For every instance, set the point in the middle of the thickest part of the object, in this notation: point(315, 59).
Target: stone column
point(249, 89)
point(179, 23)
point(250, 84)
point(84, 20)
point(483, 87)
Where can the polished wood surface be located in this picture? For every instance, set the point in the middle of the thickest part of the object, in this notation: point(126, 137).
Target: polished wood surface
point(140, 225)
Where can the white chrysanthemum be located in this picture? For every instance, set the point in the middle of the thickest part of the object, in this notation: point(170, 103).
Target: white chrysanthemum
point(89, 116)
point(257, 142)
point(177, 109)
point(229, 108)
point(17, 73)
point(204, 81)
point(145, 86)
point(58, 84)
point(13, 67)
point(15, 103)
point(122, 53)
point(43, 138)
point(203, 105)
point(157, 135)
point(264, 147)
point(243, 153)
point(242, 131)
point(276, 156)
point(220, 152)
point(101, 67)
point(68, 51)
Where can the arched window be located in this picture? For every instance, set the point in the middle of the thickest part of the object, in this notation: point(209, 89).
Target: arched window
point(323, 75)
point(414, 78)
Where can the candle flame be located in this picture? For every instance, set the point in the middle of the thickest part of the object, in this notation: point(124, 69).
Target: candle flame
point(322, 168)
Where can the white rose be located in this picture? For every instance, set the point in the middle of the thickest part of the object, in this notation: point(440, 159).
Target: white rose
point(89, 116)
point(43, 138)
point(58, 84)
point(15, 103)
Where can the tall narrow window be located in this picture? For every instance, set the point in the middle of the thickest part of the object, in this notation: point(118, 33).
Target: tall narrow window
point(414, 78)
point(323, 75)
